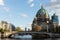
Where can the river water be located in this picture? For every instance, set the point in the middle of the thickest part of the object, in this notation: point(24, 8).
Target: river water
point(28, 37)
point(31, 39)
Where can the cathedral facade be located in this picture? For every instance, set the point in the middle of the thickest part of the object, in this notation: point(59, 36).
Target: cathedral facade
point(43, 23)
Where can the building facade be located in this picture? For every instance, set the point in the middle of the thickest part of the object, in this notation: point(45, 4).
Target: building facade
point(42, 21)
point(7, 26)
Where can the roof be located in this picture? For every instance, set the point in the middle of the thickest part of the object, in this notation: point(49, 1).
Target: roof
point(41, 11)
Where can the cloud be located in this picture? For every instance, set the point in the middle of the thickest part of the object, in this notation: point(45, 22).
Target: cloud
point(32, 5)
point(4, 6)
point(30, 2)
point(54, 6)
point(53, 0)
point(24, 15)
point(1, 3)
point(6, 9)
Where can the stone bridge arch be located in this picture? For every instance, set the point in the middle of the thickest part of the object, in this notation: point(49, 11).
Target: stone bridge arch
point(6, 34)
point(34, 34)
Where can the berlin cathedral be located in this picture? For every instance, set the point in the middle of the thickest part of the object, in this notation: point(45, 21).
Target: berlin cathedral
point(43, 23)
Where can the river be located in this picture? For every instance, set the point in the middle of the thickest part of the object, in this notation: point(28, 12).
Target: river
point(28, 37)
point(31, 39)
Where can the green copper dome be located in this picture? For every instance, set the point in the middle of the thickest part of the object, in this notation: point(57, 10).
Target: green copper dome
point(41, 11)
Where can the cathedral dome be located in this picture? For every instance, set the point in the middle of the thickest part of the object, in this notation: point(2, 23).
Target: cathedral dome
point(41, 11)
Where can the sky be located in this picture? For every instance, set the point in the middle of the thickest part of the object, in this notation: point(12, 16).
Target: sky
point(22, 12)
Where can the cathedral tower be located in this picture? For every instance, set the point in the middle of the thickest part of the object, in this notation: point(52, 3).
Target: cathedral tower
point(55, 21)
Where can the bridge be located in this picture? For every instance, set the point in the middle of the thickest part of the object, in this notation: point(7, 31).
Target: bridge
point(46, 34)
point(37, 34)
point(31, 33)
point(6, 34)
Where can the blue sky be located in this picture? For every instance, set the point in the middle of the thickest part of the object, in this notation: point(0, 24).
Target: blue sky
point(22, 12)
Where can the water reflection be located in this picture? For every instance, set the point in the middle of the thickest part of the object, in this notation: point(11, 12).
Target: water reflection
point(31, 39)
point(23, 36)
point(28, 37)
point(16, 39)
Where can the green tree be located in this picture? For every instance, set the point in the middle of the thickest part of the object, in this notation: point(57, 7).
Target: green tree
point(1, 30)
point(18, 29)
